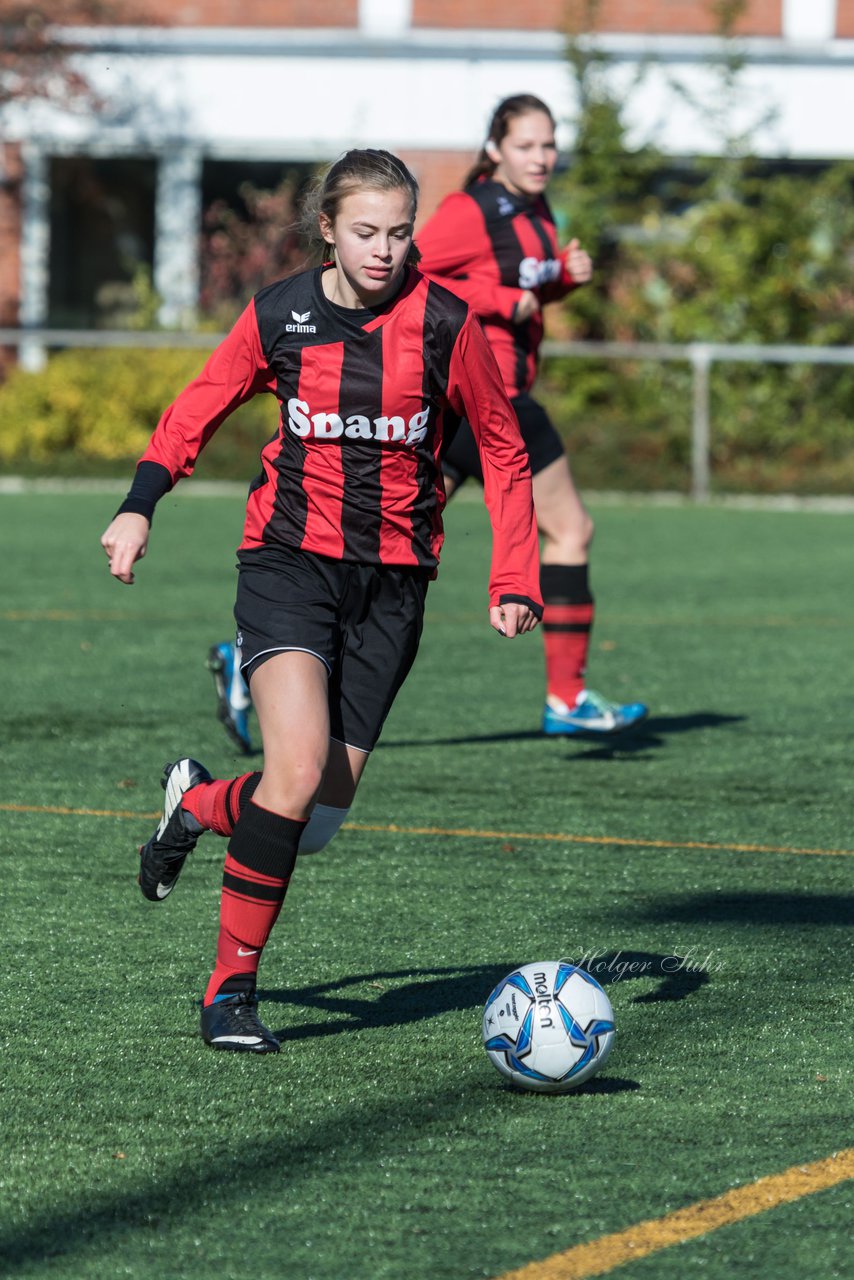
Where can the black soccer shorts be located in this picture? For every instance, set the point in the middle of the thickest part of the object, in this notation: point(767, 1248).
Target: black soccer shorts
point(363, 621)
point(461, 460)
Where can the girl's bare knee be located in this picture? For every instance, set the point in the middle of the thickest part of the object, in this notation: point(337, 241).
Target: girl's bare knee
point(570, 543)
point(291, 787)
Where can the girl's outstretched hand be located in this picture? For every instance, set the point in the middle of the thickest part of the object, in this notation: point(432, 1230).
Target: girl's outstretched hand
point(125, 541)
point(512, 619)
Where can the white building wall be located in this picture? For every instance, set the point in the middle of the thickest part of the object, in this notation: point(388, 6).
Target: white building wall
point(312, 94)
point(308, 95)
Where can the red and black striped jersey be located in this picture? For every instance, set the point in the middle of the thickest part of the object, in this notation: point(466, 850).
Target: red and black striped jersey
point(489, 246)
point(353, 470)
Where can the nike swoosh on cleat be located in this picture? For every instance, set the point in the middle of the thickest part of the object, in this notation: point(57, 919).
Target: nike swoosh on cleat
point(241, 952)
point(163, 890)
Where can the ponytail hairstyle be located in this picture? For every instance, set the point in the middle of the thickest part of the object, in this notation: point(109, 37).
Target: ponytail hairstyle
point(357, 170)
point(521, 104)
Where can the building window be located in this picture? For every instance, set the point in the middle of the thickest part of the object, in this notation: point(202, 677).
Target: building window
point(101, 239)
point(249, 230)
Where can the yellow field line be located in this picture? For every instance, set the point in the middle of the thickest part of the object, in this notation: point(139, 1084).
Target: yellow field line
point(77, 813)
point(562, 838)
point(601, 1256)
point(467, 833)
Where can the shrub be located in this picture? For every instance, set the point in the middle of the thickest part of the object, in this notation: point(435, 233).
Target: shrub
point(731, 253)
point(100, 407)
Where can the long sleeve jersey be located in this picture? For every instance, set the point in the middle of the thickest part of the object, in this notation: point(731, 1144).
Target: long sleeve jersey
point(489, 246)
point(353, 470)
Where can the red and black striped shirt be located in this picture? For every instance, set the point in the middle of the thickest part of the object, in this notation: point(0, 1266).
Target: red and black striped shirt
point(489, 246)
point(353, 471)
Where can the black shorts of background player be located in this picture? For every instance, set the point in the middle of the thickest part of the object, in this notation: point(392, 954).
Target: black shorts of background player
point(368, 359)
point(495, 244)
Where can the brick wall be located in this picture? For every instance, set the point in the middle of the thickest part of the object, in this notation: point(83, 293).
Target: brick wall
point(233, 13)
point(679, 17)
point(545, 15)
point(658, 17)
point(438, 173)
point(845, 19)
point(11, 172)
point(661, 17)
point(637, 17)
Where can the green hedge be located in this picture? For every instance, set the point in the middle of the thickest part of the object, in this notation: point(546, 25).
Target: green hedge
point(627, 424)
point(92, 412)
point(724, 250)
point(774, 428)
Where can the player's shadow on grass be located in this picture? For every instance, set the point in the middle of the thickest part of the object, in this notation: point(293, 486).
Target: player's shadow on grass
point(757, 909)
point(396, 998)
point(68, 726)
point(475, 739)
point(387, 998)
point(95, 1221)
point(646, 736)
point(649, 735)
point(146, 1208)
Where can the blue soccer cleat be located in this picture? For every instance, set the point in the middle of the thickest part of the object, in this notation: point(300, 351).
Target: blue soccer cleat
point(232, 691)
point(593, 714)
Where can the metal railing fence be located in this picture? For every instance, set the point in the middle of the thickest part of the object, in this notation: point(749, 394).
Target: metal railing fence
point(701, 356)
point(33, 343)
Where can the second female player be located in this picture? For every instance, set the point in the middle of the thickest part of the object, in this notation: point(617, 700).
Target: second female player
point(495, 244)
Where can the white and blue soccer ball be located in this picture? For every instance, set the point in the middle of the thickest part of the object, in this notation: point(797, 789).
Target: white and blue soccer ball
point(548, 1026)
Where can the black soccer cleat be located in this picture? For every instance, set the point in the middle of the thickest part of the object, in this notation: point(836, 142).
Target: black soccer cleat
point(161, 859)
point(233, 1023)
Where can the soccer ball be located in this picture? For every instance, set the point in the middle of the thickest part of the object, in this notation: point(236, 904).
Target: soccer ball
point(548, 1026)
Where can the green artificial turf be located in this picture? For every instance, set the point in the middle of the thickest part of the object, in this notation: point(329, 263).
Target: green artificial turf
point(381, 1144)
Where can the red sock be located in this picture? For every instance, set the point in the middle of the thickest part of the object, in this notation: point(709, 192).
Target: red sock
point(217, 805)
point(258, 866)
point(567, 621)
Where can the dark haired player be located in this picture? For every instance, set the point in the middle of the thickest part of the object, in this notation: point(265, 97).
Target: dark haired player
point(494, 243)
point(343, 531)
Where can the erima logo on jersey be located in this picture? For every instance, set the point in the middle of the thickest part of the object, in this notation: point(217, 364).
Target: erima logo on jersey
point(330, 426)
point(505, 206)
point(534, 272)
point(300, 325)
